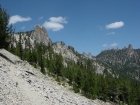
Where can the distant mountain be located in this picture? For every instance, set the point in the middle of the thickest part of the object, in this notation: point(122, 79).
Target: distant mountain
point(126, 60)
point(39, 35)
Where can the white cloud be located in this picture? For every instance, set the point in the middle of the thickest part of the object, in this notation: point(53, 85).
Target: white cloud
point(104, 45)
point(110, 45)
point(113, 44)
point(58, 19)
point(55, 23)
point(23, 27)
point(40, 18)
point(16, 18)
point(111, 33)
point(54, 26)
point(115, 25)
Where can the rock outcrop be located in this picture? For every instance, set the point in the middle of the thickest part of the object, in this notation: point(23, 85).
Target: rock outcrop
point(130, 50)
point(21, 84)
point(88, 56)
point(31, 38)
point(62, 49)
point(7, 55)
point(39, 35)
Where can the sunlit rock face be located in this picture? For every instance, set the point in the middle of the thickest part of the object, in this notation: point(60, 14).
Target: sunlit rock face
point(66, 53)
point(31, 38)
point(39, 35)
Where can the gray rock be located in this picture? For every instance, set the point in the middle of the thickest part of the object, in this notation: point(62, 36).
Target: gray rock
point(39, 35)
point(9, 56)
point(66, 53)
point(31, 38)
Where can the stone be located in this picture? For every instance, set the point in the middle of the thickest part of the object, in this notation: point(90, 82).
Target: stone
point(30, 39)
point(9, 56)
point(39, 35)
point(16, 90)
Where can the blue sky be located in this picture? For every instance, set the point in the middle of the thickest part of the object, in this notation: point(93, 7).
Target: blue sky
point(87, 25)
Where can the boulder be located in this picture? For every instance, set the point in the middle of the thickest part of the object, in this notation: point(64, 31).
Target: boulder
point(9, 56)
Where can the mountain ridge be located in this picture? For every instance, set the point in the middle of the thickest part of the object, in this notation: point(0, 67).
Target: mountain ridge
point(126, 60)
point(125, 55)
point(39, 35)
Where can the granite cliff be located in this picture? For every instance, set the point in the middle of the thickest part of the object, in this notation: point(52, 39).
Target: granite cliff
point(30, 39)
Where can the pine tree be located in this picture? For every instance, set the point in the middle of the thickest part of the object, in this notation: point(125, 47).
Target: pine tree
point(42, 66)
point(20, 46)
point(58, 64)
point(5, 29)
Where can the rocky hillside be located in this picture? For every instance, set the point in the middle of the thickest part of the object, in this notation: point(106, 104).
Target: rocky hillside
point(22, 84)
point(126, 60)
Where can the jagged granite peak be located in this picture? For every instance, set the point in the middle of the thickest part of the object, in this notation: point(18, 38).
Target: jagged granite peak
point(40, 35)
point(66, 53)
point(124, 47)
point(84, 54)
point(130, 51)
point(31, 38)
point(130, 46)
point(88, 56)
point(126, 59)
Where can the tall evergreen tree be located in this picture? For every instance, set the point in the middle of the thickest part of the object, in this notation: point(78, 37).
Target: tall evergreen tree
point(5, 29)
point(20, 46)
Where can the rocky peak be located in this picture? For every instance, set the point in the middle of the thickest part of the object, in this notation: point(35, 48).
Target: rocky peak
point(84, 54)
point(130, 50)
point(31, 38)
point(124, 47)
point(130, 46)
point(88, 56)
point(39, 35)
point(126, 59)
point(66, 53)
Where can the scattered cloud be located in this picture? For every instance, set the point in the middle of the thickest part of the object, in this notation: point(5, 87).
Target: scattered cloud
point(100, 27)
point(115, 25)
point(16, 18)
point(111, 33)
point(54, 26)
point(113, 44)
point(110, 45)
point(40, 18)
point(55, 23)
point(58, 19)
point(104, 45)
point(23, 27)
